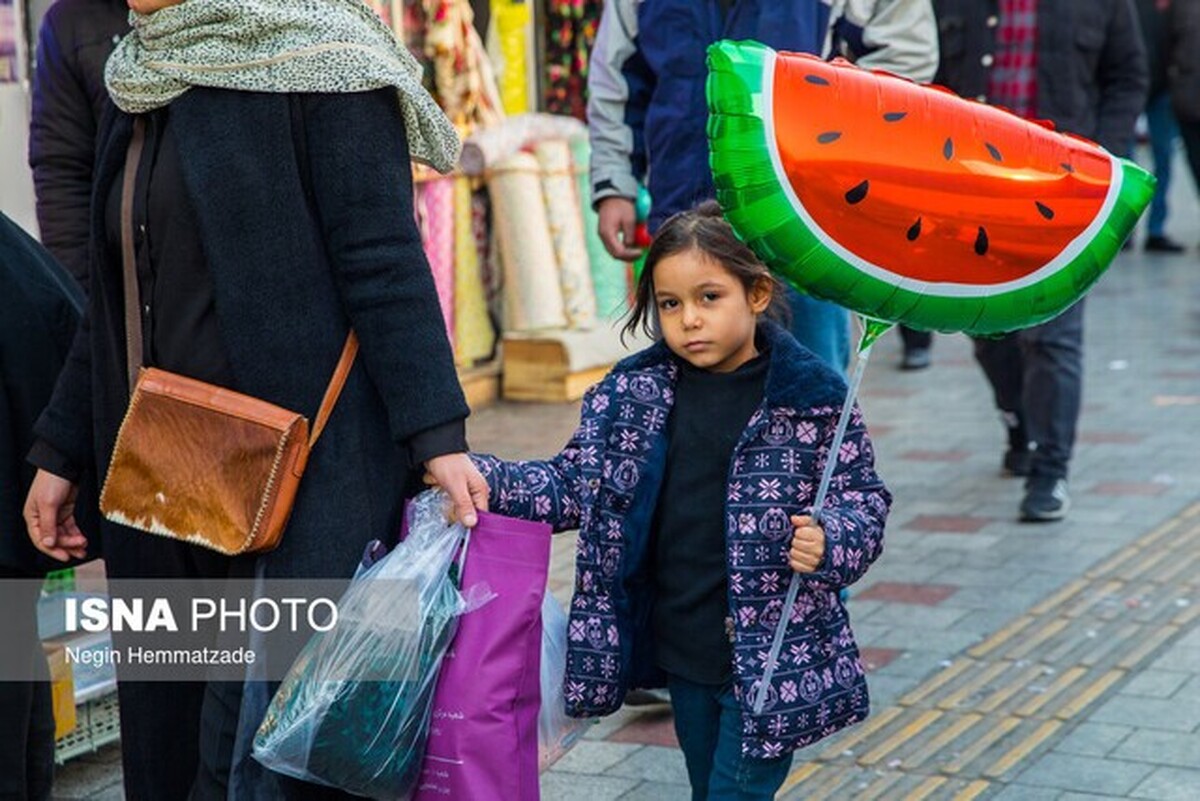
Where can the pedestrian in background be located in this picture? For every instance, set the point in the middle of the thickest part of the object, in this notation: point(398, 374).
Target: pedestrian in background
point(42, 305)
point(1183, 77)
point(69, 99)
point(691, 477)
point(272, 214)
point(1082, 66)
point(647, 109)
point(1160, 120)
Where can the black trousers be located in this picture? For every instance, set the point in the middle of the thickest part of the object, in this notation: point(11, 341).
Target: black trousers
point(1189, 132)
point(26, 712)
point(1037, 373)
point(914, 338)
point(161, 721)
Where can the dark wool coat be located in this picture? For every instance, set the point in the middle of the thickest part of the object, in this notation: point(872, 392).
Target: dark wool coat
point(304, 208)
point(606, 482)
point(42, 305)
point(69, 98)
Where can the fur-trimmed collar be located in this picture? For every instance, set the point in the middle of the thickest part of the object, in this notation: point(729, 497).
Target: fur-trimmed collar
point(796, 377)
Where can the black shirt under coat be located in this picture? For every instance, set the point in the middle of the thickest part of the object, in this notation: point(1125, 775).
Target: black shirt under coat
point(691, 575)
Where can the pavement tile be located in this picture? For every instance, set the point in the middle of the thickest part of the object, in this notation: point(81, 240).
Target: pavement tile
point(935, 456)
point(1162, 748)
point(906, 593)
point(874, 659)
point(1156, 683)
point(1141, 488)
point(1025, 792)
point(654, 764)
point(1085, 797)
point(1069, 772)
point(657, 791)
point(952, 524)
point(1093, 739)
point(590, 756)
point(1109, 438)
point(1170, 784)
point(655, 727)
point(937, 618)
point(576, 787)
point(1178, 715)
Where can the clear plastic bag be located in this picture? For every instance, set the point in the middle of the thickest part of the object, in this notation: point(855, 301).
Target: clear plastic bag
point(353, 711)
point(557, 732)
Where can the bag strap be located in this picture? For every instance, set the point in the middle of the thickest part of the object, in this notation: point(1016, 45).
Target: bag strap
point(133, 320)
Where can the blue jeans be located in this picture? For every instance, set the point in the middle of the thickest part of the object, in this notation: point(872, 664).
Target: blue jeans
point(1160, 119)
point(708, 722)
point(822, 327)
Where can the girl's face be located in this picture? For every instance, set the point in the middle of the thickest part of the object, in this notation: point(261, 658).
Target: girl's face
point(705, 314)
point(150, 6)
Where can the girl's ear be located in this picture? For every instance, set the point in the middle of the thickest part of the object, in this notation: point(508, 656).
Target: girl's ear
point(760, 295)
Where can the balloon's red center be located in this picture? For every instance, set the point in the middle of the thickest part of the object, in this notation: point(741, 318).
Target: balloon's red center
point(903, 179)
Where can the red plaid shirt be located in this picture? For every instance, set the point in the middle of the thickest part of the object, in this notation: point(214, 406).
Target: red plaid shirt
point(1013, 80)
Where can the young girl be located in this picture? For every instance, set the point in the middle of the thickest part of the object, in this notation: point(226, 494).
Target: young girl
point(690, 479)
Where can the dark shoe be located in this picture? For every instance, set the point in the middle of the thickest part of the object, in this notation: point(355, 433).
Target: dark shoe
point(1163, 244)
point(1046, 500)
point(916, 359)
point(1016, 462)
point(647, 697)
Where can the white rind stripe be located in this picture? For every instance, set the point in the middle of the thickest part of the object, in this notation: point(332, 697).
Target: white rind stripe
point(934, 288)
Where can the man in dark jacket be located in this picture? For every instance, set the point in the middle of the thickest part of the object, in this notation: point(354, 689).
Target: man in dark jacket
point(1082, 66)
point(1183, 76)
point(41, 308)
point(69, 98)
point(1153, 16)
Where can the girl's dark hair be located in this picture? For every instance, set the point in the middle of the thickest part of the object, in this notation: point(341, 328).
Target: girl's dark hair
point(703, 229)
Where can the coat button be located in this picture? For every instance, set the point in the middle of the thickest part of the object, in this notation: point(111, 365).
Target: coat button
point(993, 21)
point(987, 60)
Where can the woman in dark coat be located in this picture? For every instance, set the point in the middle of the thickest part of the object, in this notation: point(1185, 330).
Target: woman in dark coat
point(272, 213)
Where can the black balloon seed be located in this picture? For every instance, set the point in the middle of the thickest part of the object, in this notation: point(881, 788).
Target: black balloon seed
point(993, 151)
point(859, 192)
point(1067, 167)
point(895, 116)
point(948, 149)
point(816, 79)
point(829, 136)
point(914, 231)
point(1045, 210)
point(981, 241)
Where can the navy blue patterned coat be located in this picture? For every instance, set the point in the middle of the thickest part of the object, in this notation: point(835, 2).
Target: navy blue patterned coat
point(606, 482)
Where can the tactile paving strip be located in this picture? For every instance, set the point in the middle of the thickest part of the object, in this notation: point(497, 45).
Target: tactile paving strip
point(968, 727)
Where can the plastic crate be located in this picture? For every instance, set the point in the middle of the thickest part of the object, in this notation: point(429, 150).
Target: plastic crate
point(98, 723)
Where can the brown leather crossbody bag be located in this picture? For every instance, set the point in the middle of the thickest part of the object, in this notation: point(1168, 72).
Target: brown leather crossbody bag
point(197, 462)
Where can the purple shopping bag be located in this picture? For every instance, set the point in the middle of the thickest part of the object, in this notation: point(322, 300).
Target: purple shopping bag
point(483, 735)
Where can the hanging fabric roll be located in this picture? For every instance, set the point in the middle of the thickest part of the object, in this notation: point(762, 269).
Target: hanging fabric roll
point(566, 231)
point(435, 217)
point(474, 337)
point(510, 27)
point(570, 30)
point(609, 276)
point(532, 293)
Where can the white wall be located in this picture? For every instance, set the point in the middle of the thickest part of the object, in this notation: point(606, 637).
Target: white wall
point(16, 181)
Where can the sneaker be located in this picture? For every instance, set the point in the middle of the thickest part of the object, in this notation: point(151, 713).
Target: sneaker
point(647, 697)
point(916, 359)
point(1163, 244)
point(1017, 462)
point(1046, 499)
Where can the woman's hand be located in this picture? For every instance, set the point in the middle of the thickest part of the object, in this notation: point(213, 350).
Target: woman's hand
point(458, 477)
point(808, 545)
point(50, 517)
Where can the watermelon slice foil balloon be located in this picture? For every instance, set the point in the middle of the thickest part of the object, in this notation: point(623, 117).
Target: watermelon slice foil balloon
point(905, 202)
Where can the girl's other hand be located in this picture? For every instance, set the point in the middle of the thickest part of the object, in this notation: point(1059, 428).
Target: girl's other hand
point(808, 545)
point(50, 517)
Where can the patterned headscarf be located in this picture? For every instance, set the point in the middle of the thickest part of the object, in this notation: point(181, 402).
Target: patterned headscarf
point(276, 46)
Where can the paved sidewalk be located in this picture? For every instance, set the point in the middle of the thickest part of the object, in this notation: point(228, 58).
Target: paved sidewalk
point(1006, 661)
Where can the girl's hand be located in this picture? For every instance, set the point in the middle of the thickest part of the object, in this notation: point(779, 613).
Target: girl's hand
point(808, 545)
point(458, 477)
